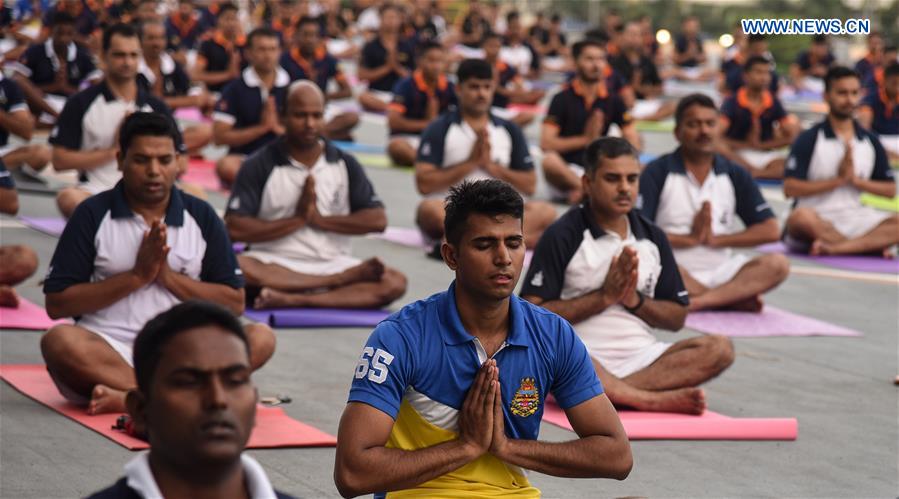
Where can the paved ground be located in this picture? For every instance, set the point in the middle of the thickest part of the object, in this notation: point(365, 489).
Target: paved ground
point(840, 389)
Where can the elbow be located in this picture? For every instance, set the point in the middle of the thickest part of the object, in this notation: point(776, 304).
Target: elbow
point(624, 464)
point(347, 484)
point(789, 188)
point(54, 310)
point(772, 231)
point(379, 222)
point(678, 319)
point(58, 159)
point(423, 186)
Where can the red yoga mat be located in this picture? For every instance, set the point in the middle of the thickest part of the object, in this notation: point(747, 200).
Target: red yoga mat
point(26, 316)
point(274, 428)
point(670, 426)
point(202, 172)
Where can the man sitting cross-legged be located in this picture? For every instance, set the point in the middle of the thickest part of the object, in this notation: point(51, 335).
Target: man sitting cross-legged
point(472, 144)
point(708, 206)
point(17, 261)
point(611, 273)
point(296, 202)
point(128, 254)
point(830, 166)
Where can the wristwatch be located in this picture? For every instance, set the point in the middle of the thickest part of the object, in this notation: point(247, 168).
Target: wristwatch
point(638, 305)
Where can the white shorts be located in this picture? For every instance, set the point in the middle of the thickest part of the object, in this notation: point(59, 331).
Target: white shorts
point(319, 268)
point(855, 222)
point(8, 148)
point(890, 143)
point(554, 63)
point(412, 140)
point(385, 97)
point(556, 194)
point(467, 52)
point(503, 112)
point(645, 107)
point(712, 278)
point(623, 366)
point(760, 159)
point(333, 110)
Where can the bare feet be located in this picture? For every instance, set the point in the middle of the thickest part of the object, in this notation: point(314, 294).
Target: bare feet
point(8, 297)
point(751, 304)
point(370, 270)
point(682, 400)
point(271, 298)
point(816, 248)
point(105, 400)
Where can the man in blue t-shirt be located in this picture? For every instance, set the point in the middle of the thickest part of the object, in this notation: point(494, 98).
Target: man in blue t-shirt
point(879, 111)
point(449, 392)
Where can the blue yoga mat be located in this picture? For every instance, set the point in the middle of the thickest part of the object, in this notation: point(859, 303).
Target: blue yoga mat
point(317, 317)
point(356, 147)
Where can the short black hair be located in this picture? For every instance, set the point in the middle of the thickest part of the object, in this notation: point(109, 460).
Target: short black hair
point(307, 20)
point(141, 124)
point(424, 47)
point(486, 197)
point(892, 69)
point(838, 73)
point(606, 147)
point(492, 35)
point(226, 7)
point(474, 68)
point(701, 100)
point(262, 32)
point(142, 27)
point(819, 39)
point(555, 18)
point(390, 6)
point(61, 18)
point(579, 47)
point(512, 15)
point(756, 37)
point(158, 331)
point(120, 29)
point(756, 59)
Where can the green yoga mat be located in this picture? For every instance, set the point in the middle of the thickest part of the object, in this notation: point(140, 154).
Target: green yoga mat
point(655, 126)
point(381, 161)
point(881, 203)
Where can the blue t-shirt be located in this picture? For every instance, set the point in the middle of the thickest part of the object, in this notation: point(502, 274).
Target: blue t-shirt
point(886, 113)
point(738, 113)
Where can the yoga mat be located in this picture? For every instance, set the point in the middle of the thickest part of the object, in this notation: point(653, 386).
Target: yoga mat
point(860, 263)
point(772, 321)
point(376, 160)
point(274, 428)
point(671, 426)
point(48, 225)
point(318, 317)
point(202, 172)
point(881, 203)
point(655, 126)
point(356, 147)
point(769, 181)
point(647, 157)
point(27, 316)
point(191, 114)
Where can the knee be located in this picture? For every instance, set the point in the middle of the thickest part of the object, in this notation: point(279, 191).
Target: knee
point(38, 156)
point(777, 266)
point(802, 219)
point(394, 286)
point(20, 261)
point(430, 212)
point(720, 352)
point(552, 162)
point(348, 120)
point(227, 168)
point(68, 199)
point(399, 152)
point(56, 345)
point(543, 212)
point(262, 342)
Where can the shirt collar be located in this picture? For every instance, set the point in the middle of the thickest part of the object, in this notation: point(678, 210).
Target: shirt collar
point(140, 477)
point(166, 66)
point(251, 78)
point(71, 52)
point(830, 134)
point(454, 332)
point(174, 213)
point(580, 91)
point(744, 102)
point(142, 94)
point(220, 39)
point(888, 105)
point(419, 78)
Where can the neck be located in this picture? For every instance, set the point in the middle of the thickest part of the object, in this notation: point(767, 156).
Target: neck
point(152, 59)
point(389, 35)
point(698, 161)
point(484, 319)
point(610, 222)
point(198, 481)
point(754, 92)
point(267, 77)
point(148, 212)
point(123, 88)
point(60, 48)
point(475, 120)
point(840, 124)
point(304, 153)
point(308, 53)
point(587, 83)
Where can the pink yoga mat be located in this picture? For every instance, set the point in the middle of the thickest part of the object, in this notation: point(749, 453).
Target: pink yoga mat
point(670, 426)
point(528, 108)
point(772, 321)
point(413, 238)
point(202, 172)
point(858, 263)
point(191, 114)
point(48, 225)
point(274, 428)
point(27, 316)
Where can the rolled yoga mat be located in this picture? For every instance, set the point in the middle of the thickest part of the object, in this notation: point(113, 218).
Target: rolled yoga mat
point(318, 317)
point(860, 263)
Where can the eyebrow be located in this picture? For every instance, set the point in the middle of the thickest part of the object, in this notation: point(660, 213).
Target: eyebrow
point(206, 372)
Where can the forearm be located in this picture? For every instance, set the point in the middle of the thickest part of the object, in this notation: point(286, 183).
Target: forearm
point(594, 456)
point(90, 297)
point(34, 96)
point(565, 144)
point(728, 149)
point(662, 314)
point(213, 77)
point(361, 222)
point(405, 125)
point(679, 241)
point(777, 142)
point(374, 73)
point(523, 181)
point(381, 469)
point(254, 230)
point(797, 188)
point(19, 124)
point(343, 92)
point(883, 188)
point(439, 179)
point(240, 136)
point(186, 288)
point(754, 235)
point(581, 308)
point(68, 159)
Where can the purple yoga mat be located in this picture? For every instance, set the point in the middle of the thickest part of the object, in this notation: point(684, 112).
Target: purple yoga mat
point(318, 317)
point(48, 225)
point(860, 263)
point(772, 321)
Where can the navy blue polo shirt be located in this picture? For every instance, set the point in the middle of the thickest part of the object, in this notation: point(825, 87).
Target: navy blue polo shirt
point(374, 55)
point(11, 101)
point(680, 46)
point(626, 68)
point(6, 180)
point(39, 63)
point(216, 50)
point(865, 68)
point(806, 61)
point(419, 364)
point(886, 112)
point(410, 96)
point(506, 74)
point(568, 112)
point(738, 113)
point(320, 69)
point(184, 34)
point(86, 21)
point(242, 102)
point(733, 75)
point(102, 239)
point(175, 81)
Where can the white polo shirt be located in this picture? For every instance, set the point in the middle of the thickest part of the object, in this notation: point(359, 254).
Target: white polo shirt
point(89, 122)
point(449, 139)
point(573, 258)
point(671, 196)
point(816, 155)
point(102, 239)
point(269, 187)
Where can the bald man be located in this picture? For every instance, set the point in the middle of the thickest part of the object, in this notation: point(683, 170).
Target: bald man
point(296, 202)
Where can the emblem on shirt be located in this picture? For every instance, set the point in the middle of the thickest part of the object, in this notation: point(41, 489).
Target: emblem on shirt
point(537, 280)
point(526, 399)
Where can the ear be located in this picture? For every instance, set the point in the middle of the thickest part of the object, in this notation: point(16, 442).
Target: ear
point(585, 183)
point(120, 160)
point(448, 252)
point(136, 404)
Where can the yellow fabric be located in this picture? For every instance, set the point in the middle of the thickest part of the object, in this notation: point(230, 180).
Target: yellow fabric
point(485, 477)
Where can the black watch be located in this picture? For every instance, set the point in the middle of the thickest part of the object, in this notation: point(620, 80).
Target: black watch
point(638, 305)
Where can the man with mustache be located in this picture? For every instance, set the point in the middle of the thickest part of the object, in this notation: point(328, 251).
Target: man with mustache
point(830, 166)
point(611, 273)
point(196, 403)
point(696, 197)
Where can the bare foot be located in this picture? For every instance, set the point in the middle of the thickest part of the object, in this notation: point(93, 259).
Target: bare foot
point(271, 298)
point(370, 270)
point(105, 400)
point(751, 304)
point(888, 253)
point(896, 381)
point(8, 297)
point(682, 400)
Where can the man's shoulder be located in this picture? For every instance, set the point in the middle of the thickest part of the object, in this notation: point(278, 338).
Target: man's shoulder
point(572, 224)
point(84, 98)
point(118, 490)
point(412, 321)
